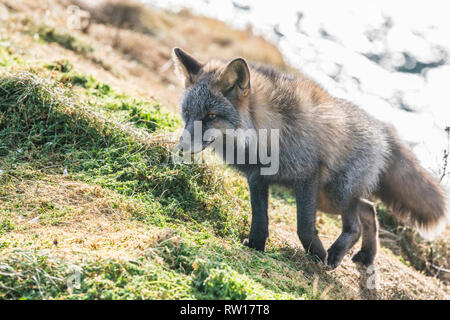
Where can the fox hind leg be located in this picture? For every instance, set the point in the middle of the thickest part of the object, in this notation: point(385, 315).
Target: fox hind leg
point(367, 214)
point(351, 231)
point(306, 192)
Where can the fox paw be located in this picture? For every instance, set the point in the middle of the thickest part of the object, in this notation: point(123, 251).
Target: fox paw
point(364, 258)
point(254, 245)
point(334, 258)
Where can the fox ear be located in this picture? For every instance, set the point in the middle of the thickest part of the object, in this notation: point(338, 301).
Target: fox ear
point(186, 66)
point(234, 81)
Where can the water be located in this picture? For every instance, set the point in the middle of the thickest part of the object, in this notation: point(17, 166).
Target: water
point(392, 58)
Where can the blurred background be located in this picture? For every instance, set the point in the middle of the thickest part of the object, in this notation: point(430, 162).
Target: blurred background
point(392, 58)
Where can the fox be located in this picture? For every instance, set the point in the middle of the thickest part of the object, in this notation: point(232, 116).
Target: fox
point(333, 155)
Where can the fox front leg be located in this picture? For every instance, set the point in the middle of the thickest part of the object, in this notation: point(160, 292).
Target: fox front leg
point(259, 229)
point(306, 192)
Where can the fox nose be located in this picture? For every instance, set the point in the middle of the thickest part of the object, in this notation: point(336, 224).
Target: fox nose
point(183, 145)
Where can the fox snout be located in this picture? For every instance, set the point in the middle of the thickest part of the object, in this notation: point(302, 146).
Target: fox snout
point(194, 141)
point(187, 145)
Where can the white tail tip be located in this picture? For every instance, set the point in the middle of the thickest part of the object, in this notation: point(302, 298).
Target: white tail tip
point(430, 233)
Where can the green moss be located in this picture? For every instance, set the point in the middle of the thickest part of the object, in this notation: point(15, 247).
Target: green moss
point(63, 66)
point(142, 114)
point(37, 275)
point(6, 223)
point(7, 57)
point(50, 213)
point(280, 192)
point(220, 282)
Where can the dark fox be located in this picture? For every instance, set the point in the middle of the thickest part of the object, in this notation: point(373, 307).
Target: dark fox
point(332, 154)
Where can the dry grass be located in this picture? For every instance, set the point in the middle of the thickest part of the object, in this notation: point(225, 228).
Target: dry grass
point(72, 217)
point(202, 36)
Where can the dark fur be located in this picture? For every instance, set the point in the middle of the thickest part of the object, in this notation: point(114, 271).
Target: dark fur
point(332, 153)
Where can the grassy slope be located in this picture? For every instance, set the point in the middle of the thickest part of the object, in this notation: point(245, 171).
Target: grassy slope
point(87, 187)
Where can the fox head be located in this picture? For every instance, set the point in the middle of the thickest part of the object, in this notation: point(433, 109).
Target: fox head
point(215, 97)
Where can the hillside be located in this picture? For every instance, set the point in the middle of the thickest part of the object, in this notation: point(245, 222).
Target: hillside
point(91, 205)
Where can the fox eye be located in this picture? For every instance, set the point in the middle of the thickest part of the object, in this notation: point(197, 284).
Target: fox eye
point(211, 116)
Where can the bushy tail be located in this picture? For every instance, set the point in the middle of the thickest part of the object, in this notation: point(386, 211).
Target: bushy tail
point(411, 192)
